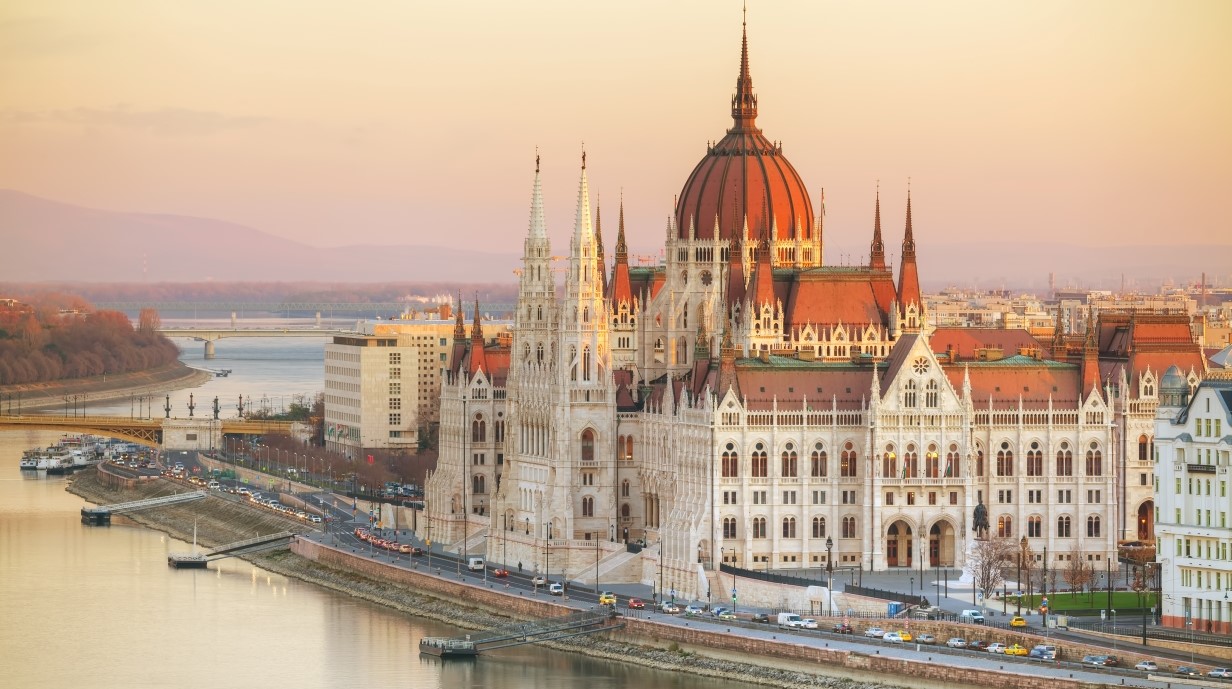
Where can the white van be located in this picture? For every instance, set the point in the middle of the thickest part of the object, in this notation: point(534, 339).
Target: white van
point(475, 564)
point(790, 620)
point(971, 616)
point(214, 485)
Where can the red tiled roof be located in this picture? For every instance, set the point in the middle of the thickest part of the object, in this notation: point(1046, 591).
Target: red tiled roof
point(965, 341)
point(1034, 381)
point(850, 297)
point(822, 385)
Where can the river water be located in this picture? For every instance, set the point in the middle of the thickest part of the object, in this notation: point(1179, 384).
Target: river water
point(99, 607)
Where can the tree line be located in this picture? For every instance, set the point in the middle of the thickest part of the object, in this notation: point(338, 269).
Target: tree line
point(58, 337)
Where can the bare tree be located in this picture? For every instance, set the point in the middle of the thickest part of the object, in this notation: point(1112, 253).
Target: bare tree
point(1028, 567)
point(988, 563)
point(1139, 584)
point(1075, 571)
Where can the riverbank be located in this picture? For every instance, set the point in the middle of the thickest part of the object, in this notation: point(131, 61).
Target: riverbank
point(219, 521)
point(101, 389)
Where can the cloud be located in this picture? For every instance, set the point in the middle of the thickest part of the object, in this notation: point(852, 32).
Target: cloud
point(161, 121)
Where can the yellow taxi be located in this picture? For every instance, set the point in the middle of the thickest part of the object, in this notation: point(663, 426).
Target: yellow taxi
point(906, 636)
point(1018, 621)
point(607, 598)
point(1016, 650)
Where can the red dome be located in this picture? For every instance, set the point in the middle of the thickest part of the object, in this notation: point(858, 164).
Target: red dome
point(744, 175)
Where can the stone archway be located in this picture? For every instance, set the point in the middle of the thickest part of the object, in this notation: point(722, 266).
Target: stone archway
point(941, 544)
point(1146, 521)
point(898, 544)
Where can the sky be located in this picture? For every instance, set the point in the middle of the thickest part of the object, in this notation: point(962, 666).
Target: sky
point(399, 122)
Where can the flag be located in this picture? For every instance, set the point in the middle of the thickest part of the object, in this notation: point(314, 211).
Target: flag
point(371, 460)
point(904, 471)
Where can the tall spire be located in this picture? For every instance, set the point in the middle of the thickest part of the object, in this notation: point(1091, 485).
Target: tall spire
point(744, 102)
point(538, 226)
point(876, 254)
point(622, 290)
point(478, 360)
point(908, 274)
point(908, 237)
point(459, 323)
point(600, 259)
point(581, 225)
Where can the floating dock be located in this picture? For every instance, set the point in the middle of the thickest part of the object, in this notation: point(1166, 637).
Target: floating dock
point(550, 629)
point(183, 561)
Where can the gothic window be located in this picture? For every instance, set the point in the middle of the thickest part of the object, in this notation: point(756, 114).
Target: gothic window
point(979, 462)
point(759, 527)
point(909, 391)
point(1063, 524)
point(1035, 526)
point(932, 462)
point(1143, 444)
point(789, 464)
point(479, 431)
point(585, 314)
point(911, 463)
point(477, 484)
point(586, 363)
point(1005, 460)
point(573, 367)
point(1035, 460)
point(729, 527)
point(920, 365)
point(498, 430)
point(539, 352)
point(624, 511)
point(789, 527)
point(849, 527)
point(819, 527)
point(588, 506)
point(658, 351)
point(1093, 526)
point(1095, 460)
point(1005, 526)
point(1065, 461)
point(628, 448)
point(588, 445)
point(731, 463)
point(526, 352)
point(889, 463)
point(847, 462)
point(760, 465)
point(952, 461)
point(930, 395)
point(624, 488)
point(818, 464)
point(539, 313)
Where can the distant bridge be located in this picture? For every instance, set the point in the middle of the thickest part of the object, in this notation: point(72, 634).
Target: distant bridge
point(170, 434)
point(210, 335)
point(101, 515)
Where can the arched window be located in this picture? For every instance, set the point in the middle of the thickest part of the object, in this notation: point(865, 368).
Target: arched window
point(789, 527)
point(952, 461)
point(1035, 460)
point(586, 363)
point(909, 391)
point(889, 463)
point(1065, 461)
point(817, 466)
point(979, 461)
point(731, 463)
point(911, 463)
point(588, 506)
point(1144, 444)
point(729, 527)
point(539, 352)
point(819, 527)
point(760, 465)
point(1035, 526)
point(931, 462)
point(1063, 526)
point(479, 431)
point(477, 485)
point(1093, 526)
point(759, 527)
point(1095, 460)
point(624, 511)
point(1005, 526)
point(498, 430)
point(624, 488)
point(629, 448)
point(847, 462)
point(930, 394)
point(588, 445)
point(849, 527)
point(789, 468)
point(1005, 460)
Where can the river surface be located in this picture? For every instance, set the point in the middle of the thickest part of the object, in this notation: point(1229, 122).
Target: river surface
point(98, 607)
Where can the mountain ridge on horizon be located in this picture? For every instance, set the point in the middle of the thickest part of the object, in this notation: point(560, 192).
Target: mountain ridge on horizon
point(93, 245)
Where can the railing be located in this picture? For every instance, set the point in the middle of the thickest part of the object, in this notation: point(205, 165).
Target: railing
point(885, 595)
point(771, 577)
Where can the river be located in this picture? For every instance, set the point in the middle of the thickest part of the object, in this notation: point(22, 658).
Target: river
point(99, 607)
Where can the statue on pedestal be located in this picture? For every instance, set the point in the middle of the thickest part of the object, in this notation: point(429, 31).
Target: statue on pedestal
point(979, 521)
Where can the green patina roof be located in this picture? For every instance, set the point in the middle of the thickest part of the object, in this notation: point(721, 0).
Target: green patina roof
point(1021, 360)
point(792, 362)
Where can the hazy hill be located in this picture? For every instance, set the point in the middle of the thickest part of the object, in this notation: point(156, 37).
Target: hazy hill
point(46, 240)
point(50, 241)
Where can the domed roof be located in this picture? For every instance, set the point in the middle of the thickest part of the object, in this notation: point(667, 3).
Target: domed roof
point(742, 176)
point(1173, 381)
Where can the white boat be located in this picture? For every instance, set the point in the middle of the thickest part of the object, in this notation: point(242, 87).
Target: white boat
point(29, 460)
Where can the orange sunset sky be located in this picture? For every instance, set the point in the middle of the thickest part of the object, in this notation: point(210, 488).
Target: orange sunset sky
point(388, 122)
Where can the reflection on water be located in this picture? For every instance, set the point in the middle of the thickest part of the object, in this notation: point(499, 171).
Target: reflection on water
point(99, 607)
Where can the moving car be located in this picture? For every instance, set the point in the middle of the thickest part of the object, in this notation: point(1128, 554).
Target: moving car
point(500, 573)
point(636, 604)
point(789, 619)
point(996, 648)
point(727, 615)
point(1016, 650)
point(1095, 660)
point(607, 598)
point(971, 616)
point(1147, 666)
point(892, 637)
point(1187, 671)
point(843, 628)
point(1220, 672)
point(539, 580)
point(874, 632)
point(808, 623)
point(669, 607)
point(956, 642)
point(1044, 652)
point(1112, 661)
point(1018, 621)
point(906, 635)
point(977, 645)
point(694, 610)
point(556, 589)
point(761, 617)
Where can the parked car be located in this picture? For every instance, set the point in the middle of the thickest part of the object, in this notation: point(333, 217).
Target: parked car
point(1018, 621)
point(906, 635)
point(977, 645)
point(1187, 671)
point(636, 604)
point(761, 617)
point(1016, 650)
point(1147, 666)
point(925, 639)
point(1094, 660)
point(843, 628)
point(808, 623)
point(892, 637)
point(874, 632)
point(996, 648)
point(1220, 672)
point(956, 642)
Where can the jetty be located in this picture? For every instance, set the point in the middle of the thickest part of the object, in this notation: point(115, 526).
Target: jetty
point(101, 515)
point(593, 621)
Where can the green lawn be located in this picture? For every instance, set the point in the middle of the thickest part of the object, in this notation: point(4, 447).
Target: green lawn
point(1060, 602)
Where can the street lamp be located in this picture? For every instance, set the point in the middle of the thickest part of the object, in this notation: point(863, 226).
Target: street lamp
point(1022, 548)
point(830, 574)
point(912, 589)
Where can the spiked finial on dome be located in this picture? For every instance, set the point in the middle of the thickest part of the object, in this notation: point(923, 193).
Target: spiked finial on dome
point(744, 102)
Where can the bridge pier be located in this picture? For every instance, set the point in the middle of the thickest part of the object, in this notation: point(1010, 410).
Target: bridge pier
point(209, 349)
point(233, 320)
point(318, 319)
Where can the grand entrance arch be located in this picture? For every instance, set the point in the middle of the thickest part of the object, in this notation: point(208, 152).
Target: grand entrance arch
point(1146, 521)
point(898, 544)
point(941, 544)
